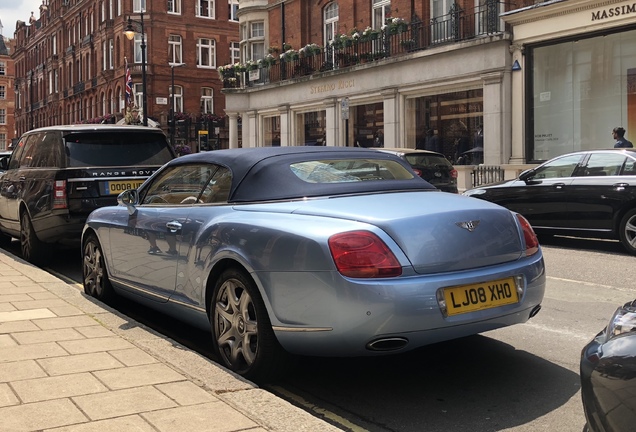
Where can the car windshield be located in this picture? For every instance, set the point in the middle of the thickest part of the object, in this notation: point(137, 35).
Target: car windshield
point(116, 149)
point(349, 170)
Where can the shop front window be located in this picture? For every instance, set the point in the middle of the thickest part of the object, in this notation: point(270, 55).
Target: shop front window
point(271, 131)
point(449, 123)
point(367, 126)
point(581, 90)
point(312, 130)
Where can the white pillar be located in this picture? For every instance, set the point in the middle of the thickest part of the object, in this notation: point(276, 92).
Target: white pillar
point(250, 129)
point(518, 155)
point(391, 127)
point(285, 126)
point(233, 119)
point(497, 126)
point(331, 121)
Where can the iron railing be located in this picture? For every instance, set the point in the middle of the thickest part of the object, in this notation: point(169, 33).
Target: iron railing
point(484, 174)
point(458, 25)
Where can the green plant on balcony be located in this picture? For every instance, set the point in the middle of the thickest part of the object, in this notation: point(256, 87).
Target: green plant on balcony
point(310, 50)
point(268, 60)
point(395, 25)
point(341, 41)
point(369, 34)
point(290, 55)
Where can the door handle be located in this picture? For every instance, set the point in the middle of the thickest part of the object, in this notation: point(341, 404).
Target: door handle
point(559, 185)
point(620, 186)
point(173, 226)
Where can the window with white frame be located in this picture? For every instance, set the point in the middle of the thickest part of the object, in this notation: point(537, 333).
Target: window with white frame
point(441, 25)
point(257, 40)
point(139, 6)
point(234, 7)
point(175, 49)
point(235, 52)
point(3, 141)
point(54, 44)
point(207, 100)
point(381, 11)
point(3, 68)
point(177, 98)
point(205, 8)
point(138, 51)
point(174, 6)
point(111, 54)
point(3, 116)
point(331, 21)
point(3, 92)
point(206, 56)
point(138, 92)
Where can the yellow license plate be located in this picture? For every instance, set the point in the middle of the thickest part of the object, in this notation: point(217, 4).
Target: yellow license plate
point(486, 295)
point(117, 187)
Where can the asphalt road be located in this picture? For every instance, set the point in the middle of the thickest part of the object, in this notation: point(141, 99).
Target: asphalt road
point(522, 378)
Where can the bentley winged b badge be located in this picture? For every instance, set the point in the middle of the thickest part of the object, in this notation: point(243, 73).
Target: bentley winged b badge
point(468, 225)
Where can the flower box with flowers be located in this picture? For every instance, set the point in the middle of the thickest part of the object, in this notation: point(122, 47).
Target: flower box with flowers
point(395, 25)
point(268, 60)
point(210, 118)
point(310, 50)
point(369, 34)
point(290, 55)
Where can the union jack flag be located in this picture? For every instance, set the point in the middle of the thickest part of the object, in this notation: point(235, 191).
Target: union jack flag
point(129, 85)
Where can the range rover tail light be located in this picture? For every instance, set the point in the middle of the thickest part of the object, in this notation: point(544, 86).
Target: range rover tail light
point(60, 200)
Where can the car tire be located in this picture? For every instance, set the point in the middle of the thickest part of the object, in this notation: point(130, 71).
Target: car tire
point(94, 273)
point(627, 231)
point(31, 247)
point(242, 333)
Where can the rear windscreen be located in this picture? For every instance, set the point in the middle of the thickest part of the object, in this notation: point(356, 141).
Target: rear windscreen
point(106, 148)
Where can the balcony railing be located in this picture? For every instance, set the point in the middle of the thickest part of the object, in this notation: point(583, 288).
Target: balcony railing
point(393, 41)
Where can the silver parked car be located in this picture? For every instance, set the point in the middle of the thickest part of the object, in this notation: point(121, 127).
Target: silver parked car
point(316, 251)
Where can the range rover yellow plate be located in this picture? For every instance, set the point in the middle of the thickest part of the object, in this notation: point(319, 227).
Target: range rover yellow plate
point(116, 187)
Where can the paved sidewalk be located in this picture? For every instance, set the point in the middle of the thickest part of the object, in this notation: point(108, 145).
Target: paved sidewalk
point(71, 364)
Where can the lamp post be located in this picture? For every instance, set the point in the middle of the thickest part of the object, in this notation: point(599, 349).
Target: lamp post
point(130, 34)
point(172, 122)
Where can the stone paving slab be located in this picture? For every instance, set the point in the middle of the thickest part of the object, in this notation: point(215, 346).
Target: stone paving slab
point(71, 364)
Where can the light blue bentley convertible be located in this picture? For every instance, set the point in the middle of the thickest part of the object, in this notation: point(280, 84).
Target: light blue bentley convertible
point(316, 251)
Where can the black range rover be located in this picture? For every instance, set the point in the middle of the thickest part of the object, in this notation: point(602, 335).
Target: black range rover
point(57, 175)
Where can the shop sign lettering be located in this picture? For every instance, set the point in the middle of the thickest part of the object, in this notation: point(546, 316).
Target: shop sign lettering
point(614, 12)
point(325, 88)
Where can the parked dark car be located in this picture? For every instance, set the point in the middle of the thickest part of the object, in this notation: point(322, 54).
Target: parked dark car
point(431, 166)
point(585, 194)
point(608, 374)
point(4, 160)
point(57, 175)
point(328, 251)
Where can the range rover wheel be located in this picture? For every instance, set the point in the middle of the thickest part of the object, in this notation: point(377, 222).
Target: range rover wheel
point(242, 333)
point(31, 247)
point(94, 274)
point(627, 231)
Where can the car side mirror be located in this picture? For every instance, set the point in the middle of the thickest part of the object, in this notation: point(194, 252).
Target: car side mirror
point(130, 199)
point(527, 174)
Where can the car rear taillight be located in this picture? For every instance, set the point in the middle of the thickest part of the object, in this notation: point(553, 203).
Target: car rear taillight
point(361, 254)
point(59, 195)
point(532, 242)
point(453, 173)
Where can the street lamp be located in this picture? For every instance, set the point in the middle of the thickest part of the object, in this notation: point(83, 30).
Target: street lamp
point(172, 66)
point(130, 34)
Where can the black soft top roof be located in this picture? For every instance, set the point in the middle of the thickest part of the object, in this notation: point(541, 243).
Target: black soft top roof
point(263, 173)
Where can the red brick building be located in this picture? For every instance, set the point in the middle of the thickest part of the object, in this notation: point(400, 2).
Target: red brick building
point(7, 94)
point(71, 61)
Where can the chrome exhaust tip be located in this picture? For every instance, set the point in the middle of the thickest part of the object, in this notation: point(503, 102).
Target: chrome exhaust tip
point(534, 311)
point(388, 344)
